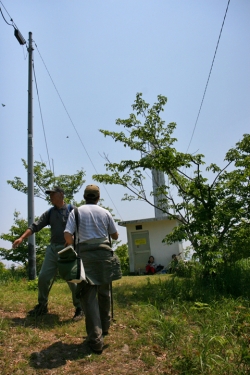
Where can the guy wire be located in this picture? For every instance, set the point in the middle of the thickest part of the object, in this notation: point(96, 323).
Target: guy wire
point(75, 128)
point(208, 76)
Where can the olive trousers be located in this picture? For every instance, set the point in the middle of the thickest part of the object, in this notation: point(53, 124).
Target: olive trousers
point(95, 301)
point(48, 272)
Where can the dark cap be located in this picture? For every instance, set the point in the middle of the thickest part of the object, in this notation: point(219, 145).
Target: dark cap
point(55, 189)
point(91, 192)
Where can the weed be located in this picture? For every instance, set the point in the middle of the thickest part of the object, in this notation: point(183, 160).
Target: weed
point(163, 324)
point(33, 284)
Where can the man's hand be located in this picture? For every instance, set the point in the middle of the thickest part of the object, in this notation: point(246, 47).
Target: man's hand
point(68, 238)
point(17, 242)
point(114, 236)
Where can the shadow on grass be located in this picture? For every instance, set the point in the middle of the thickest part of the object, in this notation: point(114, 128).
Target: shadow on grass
point(44, 321)
point(57, 355)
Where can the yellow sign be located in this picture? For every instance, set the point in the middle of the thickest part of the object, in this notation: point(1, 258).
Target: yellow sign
point(140, 241)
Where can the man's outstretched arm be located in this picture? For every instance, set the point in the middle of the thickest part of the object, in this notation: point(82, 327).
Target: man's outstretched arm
point(19, 240)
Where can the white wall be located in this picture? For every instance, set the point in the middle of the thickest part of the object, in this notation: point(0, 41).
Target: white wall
point(157, 231)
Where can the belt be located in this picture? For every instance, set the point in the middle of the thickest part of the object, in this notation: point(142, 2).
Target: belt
point(95, 241)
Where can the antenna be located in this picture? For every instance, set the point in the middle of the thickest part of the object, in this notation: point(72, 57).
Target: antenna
point(158, 179)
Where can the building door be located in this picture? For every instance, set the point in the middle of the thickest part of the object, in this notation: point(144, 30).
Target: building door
point(141, 250)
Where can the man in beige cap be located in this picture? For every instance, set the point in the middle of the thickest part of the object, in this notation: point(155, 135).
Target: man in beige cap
point(96, 225)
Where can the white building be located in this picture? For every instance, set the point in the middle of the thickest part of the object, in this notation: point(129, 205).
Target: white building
point(145, 235)
point(145, 238)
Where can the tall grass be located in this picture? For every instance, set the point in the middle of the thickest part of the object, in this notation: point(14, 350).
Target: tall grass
point(164, 324)
point(204, 321)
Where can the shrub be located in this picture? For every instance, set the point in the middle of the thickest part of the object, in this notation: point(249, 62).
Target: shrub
point(122, 253)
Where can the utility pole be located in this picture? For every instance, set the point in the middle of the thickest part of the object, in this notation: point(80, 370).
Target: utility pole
point(31, 239)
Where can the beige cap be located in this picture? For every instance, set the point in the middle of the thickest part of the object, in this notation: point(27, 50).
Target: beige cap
point(92, 192)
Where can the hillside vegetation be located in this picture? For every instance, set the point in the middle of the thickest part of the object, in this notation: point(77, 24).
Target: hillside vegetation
point(163, 324)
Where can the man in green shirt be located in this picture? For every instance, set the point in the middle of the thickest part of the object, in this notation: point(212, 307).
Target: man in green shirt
point(56, 217)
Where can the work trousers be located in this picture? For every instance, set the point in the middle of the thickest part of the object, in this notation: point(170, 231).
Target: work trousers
point(48, 272)
point(95, 300)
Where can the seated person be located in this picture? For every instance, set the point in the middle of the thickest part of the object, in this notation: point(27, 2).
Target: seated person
point(151, 266)
point(159, 269)
point(173, 263)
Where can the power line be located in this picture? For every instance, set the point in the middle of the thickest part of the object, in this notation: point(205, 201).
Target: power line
point(75, 128)
point(11, 19)
point(41, 115)
point(22, 41)
point(6, 11)
point(208, 76)
point(17, 32)
point(5, 19)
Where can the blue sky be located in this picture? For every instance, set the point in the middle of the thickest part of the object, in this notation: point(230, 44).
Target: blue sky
point(99, 55)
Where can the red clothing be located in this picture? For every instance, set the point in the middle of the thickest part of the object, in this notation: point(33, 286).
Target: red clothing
point(150, 269)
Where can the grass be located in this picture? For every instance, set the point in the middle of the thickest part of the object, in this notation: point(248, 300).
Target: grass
point(162, 325)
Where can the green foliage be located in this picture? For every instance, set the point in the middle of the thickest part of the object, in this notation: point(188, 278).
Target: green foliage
point(8, 275)
point(3, 269)
point(20, 254)
point(33, 284)
point(172, 325)
point(185, 269)
point(122, 253)
point(213, 212)
point(44, 179)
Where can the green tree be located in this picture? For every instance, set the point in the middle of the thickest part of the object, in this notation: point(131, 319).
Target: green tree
point(44, 179)
point(20, 255)
point(122, 253)
point(210, 208)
